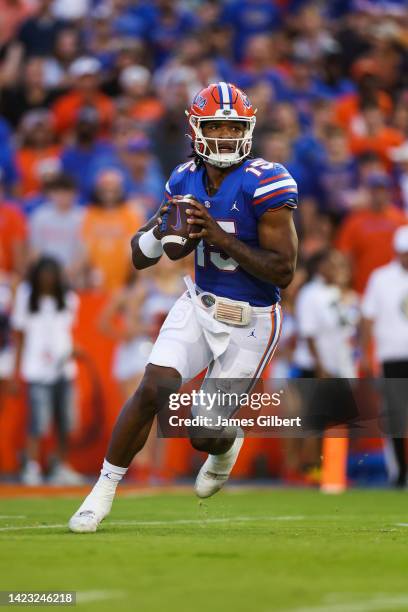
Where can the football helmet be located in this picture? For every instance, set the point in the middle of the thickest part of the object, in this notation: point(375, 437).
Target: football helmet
point(221, 102)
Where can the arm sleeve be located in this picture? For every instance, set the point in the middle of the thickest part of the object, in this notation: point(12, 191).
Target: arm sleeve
point(274, 189)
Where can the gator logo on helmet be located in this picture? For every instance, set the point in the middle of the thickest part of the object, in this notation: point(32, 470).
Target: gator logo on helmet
point(200, 101)
point(245, 100)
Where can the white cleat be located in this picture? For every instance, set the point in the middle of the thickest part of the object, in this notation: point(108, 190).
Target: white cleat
point(93, 510)
point(86, 521)
point(216, 470)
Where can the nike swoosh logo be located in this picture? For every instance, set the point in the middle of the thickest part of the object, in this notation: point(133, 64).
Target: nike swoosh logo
point(178, 223)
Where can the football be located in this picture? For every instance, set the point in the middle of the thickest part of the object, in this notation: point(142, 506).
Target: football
point(175, 230)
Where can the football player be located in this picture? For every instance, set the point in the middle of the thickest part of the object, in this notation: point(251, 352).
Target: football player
point(229, 321)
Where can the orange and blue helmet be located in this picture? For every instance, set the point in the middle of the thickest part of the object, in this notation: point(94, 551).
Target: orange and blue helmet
point(221, 102)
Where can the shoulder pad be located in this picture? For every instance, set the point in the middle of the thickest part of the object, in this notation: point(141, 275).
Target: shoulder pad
point(178, 175)
point(272, 186)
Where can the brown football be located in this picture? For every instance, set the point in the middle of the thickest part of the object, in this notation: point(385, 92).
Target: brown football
point(174, 230)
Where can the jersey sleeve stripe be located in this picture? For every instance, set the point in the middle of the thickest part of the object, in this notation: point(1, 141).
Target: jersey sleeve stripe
point(274, 187)
point(274, 178)
point(273, 194)
point(288, 204)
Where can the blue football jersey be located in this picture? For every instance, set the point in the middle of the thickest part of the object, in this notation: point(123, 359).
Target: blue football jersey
point(245, 194)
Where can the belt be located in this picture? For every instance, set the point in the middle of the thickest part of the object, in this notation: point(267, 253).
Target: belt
point(208, 300)
point(231, 312)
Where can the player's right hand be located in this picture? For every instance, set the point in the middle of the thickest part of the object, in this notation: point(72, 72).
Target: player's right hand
point(162, 210)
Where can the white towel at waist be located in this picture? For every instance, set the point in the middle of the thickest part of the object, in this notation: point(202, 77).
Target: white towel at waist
point(217, 334)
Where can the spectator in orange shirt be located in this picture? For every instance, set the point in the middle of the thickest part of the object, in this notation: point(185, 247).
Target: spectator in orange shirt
point(365, 74)
point(13, 240)
point(85, 74)
point(370, 134)
point(108, 225)
point(366, 235)
point(39, 148)
point(141, 105)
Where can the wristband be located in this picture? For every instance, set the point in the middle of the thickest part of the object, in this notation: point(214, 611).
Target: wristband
point(150, 246)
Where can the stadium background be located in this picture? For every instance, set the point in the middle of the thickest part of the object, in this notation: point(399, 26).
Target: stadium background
point(97, 91)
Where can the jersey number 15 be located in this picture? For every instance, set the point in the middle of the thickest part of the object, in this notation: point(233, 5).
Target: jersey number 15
point(219, 260)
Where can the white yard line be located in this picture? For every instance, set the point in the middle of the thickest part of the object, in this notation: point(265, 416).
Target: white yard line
point(12, 516)
point(203, 521)
point(235, 519)
point(89, 596)
point(369, 605)
point(25, 527)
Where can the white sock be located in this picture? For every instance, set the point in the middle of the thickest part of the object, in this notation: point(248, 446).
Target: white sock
point(224, 459)
point(110, 477)
point(103, 492)
point(112, 473)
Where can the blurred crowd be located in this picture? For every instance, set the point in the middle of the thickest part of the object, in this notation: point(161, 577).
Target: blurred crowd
point(92, 100)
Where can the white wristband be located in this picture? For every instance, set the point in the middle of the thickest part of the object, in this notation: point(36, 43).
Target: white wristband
point(150, 246)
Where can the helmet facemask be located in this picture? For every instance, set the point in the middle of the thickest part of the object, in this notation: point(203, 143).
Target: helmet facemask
point(202, 143)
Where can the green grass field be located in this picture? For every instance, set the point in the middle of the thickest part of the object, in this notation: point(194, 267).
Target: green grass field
point(265, 551)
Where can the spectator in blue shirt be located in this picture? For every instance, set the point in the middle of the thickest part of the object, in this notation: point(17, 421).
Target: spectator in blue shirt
point(260, 64)
point(8, 167)
point(142, 178)
point(331, 78)
point(337, 174)
point(249, 17)
point(77, 159)
point(132, 19)
point(143, 173)
point(170, 25)
point(309, 145)
point(302, 89)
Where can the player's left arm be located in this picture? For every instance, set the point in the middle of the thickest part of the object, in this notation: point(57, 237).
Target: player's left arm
point(275, 259)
